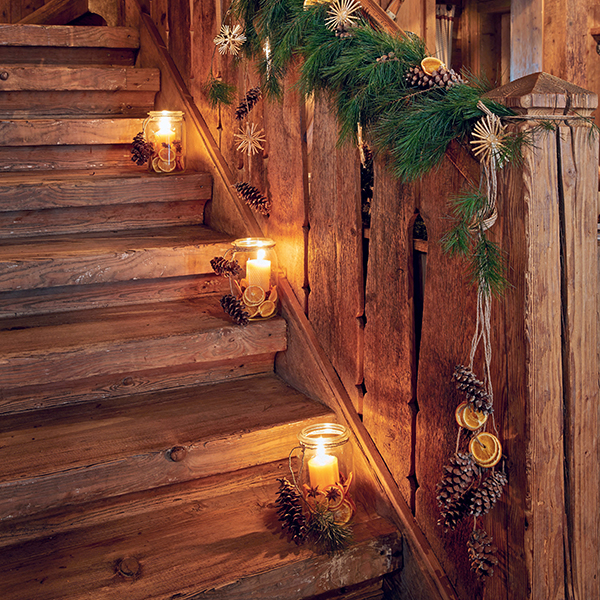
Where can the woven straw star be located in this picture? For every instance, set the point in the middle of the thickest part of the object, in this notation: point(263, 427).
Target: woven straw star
point(250, 140)
point(341, 14)
point(488, 142)
point(230, 40)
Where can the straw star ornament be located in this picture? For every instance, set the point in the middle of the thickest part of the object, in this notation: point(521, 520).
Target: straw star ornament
point(250, 139)
point(488, 140)
point(230, 39)
point(341, 14)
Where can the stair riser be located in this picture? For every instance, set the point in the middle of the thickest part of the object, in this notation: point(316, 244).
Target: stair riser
point(151, 470)
point(67, 56)
point(97, 219)
point(59, 158)
point(114, 294)
point(49, 395)
point(29, 105)
point(128, 357)
point(122, 265)
point(131, 185)
point(63, 132)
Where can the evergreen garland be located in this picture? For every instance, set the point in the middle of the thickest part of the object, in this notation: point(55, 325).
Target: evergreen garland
point(219, 92)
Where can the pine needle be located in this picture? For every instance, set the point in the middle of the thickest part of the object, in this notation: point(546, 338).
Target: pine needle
point(219, 92)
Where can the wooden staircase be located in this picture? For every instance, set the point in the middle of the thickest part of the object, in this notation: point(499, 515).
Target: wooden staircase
point(141, 431)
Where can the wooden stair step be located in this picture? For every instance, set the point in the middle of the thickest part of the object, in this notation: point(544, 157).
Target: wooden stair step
point(68, 132)
point(37, 262)
point(69, 189)
point(64, 79)
point(217, 538)
point(122, 445)
point(66, 347)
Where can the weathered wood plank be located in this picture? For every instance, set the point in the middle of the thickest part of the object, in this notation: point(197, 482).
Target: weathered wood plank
point(21, 55)
point(56, 12)
point(220, 428)
point(30, 105)
point(58, 78)
point(390, 366)
point(69, 37)
point(57, 132)
point(579, 158)
point(226, 524)
point(83, 344)
point(335, 261)
point(64, 221)
point(43, 190)
point(108, 256)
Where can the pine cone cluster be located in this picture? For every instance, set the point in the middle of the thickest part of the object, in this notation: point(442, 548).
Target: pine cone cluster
point(235, 309)
point(441, 77)
point(225, 268)
point(390, 56)
point(253, 198)
point(342, 32)
point(483, 498)
point(289, 511)
point(458, 479)
point(141, 150)
point(248, 103)
point(474, 389)
point(481, 553)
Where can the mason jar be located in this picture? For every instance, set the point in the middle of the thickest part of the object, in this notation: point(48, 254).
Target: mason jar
point(165, 130)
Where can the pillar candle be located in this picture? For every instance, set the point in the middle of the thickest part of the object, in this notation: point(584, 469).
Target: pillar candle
point(258, 271)
point(323, 469)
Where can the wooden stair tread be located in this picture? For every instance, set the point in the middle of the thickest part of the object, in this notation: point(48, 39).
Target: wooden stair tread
point(211, 534)
point(85, 343)
point(45, 36)
point(121, 445)
point(100, 257)
point(74, 188)
point(59, 132)
point(82, 78)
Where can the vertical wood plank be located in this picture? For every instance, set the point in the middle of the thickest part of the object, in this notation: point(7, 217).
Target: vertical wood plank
point(579, 159)
point(389, 329)
point(335, 275)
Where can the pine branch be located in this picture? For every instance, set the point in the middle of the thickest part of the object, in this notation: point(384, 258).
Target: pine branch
point(219, 92)
point(325, 533)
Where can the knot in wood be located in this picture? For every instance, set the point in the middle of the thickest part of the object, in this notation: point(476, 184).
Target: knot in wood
point(177, 453)
point(129, 567)
point(127, 381)
point(4, 75)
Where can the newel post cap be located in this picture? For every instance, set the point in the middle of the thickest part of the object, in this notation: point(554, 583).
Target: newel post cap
point(544, 94)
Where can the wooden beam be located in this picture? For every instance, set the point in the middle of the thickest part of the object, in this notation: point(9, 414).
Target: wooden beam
point(57, 12)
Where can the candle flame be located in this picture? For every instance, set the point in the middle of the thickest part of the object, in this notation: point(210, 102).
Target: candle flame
point(321, 448)
point(261, 254)
point(164, 125)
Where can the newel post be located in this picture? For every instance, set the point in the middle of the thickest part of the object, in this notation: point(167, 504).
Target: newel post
point(549, 208)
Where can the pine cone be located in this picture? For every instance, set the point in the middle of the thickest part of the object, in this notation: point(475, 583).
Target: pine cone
point(441, 77)
point(235, 309)
point(141, 150)
point(481, 553)
point(474, 389)
point(289, 511)
point(225, 268)
point(452, 489)
point(482, 499)
point(253, 198)
point(387, 57)
point(248, 103)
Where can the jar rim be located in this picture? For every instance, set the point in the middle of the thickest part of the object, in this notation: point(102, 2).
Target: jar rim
point(165, 113)
point(329, 434)
point(253, 242)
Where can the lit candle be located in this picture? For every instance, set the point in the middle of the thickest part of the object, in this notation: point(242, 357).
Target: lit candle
point(258, 271)
point(164, 133)
point(323, 468)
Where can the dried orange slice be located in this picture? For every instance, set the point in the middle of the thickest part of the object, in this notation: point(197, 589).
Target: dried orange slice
point(267, 308)
point(166, 166)
point(166, 154)
point(458, 414)
point(473, 419)
point(431, 64)
point(251, 310)
point(155, 164)
point(486, 449)
point(273, 294)
point(345, 512)
point(335, 495)
point(254, 295)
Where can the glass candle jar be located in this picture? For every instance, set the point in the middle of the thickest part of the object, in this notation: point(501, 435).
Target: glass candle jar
point(165, 130)
point(326, 473)
point(255, 283)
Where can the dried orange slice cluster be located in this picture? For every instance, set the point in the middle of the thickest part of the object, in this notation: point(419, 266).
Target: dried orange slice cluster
point(259, 304)
point(167, 157)
point(486, 449)
point(469, 418)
